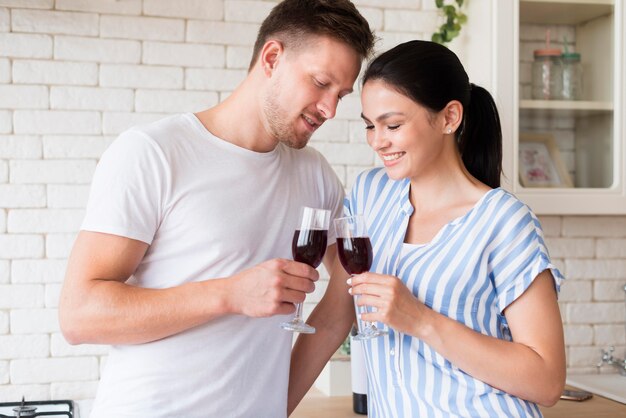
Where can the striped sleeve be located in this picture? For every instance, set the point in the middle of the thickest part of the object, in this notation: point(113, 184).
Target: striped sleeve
point(519, 255)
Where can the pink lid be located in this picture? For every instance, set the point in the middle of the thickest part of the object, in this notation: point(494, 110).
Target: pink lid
point(547, 52)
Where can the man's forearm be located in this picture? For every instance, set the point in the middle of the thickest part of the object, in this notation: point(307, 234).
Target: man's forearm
point(117, 313)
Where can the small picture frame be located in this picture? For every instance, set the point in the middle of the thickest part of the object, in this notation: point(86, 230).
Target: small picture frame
point(540, 163)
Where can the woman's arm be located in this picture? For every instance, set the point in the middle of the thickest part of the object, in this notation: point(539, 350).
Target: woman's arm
point(531, 367)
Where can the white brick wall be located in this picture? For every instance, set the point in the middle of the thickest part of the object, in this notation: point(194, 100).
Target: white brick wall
point(141, 76)
point(126, 7)
point(59, 245)
point(54, 72)
point(20, 296)
point(14, 147)
point(40, 21)
point(3, 221)
point(213, 79)
point(222, 33)
point(96, 50)
point(6, 124)
point(16, 246)
point(24, 346)
point(5, 70)
point(76, 73)
point(195, 9)
point(52, 171)
point(64, 196)
point(172, 101)
point(5, 20)
point(23, 97)
point(18, 196)
point(4, 372)
point(91, 98)
point(5, 273)
point(38, 271)
point(34, 4)
point(411, 21)
point(54, 370)
point(17, 45)
point(80, 146)
point(183, 55)
point(144, 28)
point(4, 322)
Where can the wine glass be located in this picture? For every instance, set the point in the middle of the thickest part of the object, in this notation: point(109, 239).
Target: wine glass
point(355, 253)
point(308, 246)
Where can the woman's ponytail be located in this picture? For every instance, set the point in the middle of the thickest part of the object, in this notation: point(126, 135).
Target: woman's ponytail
point(480, 141)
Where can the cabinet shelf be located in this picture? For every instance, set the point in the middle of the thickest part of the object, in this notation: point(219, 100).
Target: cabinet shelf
point(563, 12)
point(564, 108)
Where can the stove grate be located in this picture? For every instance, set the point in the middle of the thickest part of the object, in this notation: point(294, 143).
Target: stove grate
point(60, 408)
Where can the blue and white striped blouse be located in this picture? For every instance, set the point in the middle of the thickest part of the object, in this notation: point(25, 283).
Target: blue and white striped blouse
point(471, 271)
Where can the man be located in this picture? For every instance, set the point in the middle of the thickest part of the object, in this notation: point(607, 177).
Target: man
point(182, 263)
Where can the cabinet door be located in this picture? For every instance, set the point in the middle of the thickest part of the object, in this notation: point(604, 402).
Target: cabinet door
point(563, 154)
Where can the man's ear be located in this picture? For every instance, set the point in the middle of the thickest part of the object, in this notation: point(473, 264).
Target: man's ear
point(270, 55)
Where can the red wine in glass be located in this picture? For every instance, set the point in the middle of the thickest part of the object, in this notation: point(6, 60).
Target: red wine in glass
point(308, 246)
point(355, 254)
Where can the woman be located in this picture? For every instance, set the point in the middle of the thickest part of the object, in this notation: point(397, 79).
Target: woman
point(461, 274)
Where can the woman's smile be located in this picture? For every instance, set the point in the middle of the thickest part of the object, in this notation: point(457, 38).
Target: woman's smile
point(391, 158)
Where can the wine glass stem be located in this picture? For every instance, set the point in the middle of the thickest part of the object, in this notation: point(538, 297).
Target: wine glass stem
point(298, 316)
point(361, 324)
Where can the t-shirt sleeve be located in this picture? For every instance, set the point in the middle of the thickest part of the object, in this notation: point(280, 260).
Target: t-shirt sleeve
point(518, 256)
point(128, 189)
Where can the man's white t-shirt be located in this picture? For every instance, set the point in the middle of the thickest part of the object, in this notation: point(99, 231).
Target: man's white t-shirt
point(208, 209)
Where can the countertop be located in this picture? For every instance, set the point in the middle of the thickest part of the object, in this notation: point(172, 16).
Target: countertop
point(315, 405)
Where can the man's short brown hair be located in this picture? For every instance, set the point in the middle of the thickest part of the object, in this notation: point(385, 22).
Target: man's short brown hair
point(292, 21)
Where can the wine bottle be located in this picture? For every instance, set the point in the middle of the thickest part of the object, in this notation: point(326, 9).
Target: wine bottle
point(359, 375)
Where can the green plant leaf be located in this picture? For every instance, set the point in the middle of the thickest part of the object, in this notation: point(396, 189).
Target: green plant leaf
point(344, 348)
point(455, 19)
point(449, 10)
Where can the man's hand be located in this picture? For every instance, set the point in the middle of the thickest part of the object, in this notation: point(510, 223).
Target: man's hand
point(271, 288)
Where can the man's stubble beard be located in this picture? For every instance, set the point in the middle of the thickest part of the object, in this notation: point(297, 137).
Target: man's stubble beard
point(278, 123)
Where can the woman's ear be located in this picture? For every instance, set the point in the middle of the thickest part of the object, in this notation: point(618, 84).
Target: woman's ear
point(269, 56)
point(453, 116)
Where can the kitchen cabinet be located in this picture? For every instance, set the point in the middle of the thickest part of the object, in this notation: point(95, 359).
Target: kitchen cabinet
point(563, 156)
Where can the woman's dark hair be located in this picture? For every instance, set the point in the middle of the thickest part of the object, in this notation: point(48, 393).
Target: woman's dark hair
point(292, 21)
point(432, 75)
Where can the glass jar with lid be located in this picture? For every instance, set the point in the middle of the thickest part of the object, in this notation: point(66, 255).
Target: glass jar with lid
point(547, 74)
point(572, 76)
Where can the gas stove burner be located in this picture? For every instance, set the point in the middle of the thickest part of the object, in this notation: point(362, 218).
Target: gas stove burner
point(34, 409)
point(23, 410)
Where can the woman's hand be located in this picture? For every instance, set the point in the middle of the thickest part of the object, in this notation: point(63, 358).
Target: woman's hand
point(395, 304)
